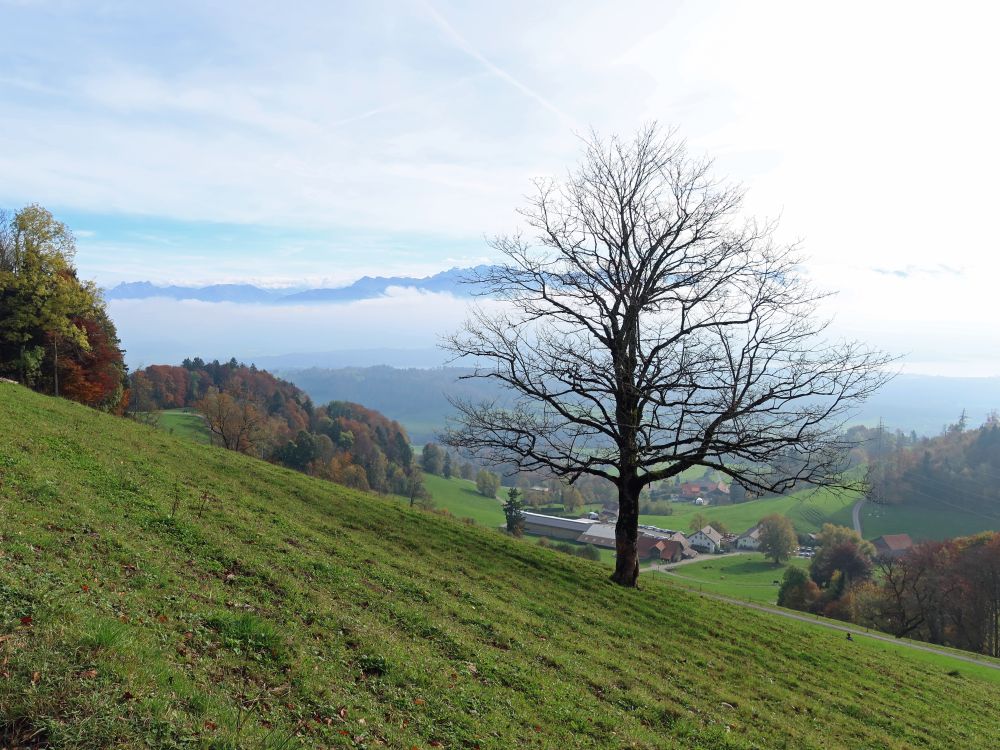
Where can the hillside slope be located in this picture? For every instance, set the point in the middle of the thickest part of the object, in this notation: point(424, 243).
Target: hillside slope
point(156, 592)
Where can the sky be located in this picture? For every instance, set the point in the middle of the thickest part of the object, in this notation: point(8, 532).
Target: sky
point(313, 143)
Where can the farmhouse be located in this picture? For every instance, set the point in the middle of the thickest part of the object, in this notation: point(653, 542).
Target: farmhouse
point(675, 544)
point(666, 550)
point(553, 526)
point(749, 539)
point(892, 545)
point(706, 540)
point(704, 493)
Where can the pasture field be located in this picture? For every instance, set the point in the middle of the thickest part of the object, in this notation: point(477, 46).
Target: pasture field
point(748, 576)
point(923, 522)
point(185, 423)
point(808, 510)
point(155, 592)
point(460, 498)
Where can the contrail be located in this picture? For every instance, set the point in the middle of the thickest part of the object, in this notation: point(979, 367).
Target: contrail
point(463, 44)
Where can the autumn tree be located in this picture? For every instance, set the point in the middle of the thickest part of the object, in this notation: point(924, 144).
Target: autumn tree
point(432, 458)
point(415, 489)
point(777, 537)
point(54, 327)
point(841, 550)
point(698, 522)
point(572, 499)
point(235, 421)
point(487, 483)
point(797, 591)
point(647, 328)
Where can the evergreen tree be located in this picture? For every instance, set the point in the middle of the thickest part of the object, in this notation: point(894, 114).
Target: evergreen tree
point(513, 509)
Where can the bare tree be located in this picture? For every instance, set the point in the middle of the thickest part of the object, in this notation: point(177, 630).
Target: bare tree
point(235, 421)
point(648, 329)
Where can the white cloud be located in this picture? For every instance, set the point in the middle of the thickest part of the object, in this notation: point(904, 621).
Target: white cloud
point(162, 330)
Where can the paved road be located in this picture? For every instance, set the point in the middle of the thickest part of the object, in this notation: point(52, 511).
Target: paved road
point(666, 567)
point(856, 516)
point(853, 630)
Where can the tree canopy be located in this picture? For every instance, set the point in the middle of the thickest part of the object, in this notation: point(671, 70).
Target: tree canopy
point(55, 333)
point(777, 537)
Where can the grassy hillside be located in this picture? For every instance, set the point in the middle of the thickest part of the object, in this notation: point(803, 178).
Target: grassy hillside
point(185, 423)
point(807, 509)
point(460, 498)
point(923, 522)
point(747, 576)
point(155, 592)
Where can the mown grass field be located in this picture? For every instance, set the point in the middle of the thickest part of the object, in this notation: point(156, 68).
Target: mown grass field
point(807, 509)
point(460, 498)
point(155, 592)
point(744, 576)
point(186, 423)
point(922, 522)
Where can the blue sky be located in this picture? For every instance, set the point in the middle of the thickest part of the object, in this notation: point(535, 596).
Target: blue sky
point(289, 143)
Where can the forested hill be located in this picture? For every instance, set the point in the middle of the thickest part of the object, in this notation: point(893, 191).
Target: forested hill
point(252, 411)
point(155, 592)
point(959, 470)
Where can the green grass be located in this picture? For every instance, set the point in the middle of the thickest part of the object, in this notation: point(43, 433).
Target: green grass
point(294, 613)
point(186, 423)
point(807, 509)
point(745, 576)
point(922, 522)
point(460, 498)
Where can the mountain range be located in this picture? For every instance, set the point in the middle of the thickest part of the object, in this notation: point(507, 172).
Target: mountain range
point(451, 281)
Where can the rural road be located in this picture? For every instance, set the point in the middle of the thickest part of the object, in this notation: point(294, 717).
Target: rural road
point(853, 630)
point(667, 567)
point(856, 515)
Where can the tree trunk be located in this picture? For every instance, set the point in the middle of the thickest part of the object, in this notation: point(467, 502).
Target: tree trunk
point(627, 535)
point(55, 365)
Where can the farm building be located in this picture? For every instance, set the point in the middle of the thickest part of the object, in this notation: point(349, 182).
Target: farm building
point(706, 540)
point(892, 545)
point(553, 526)
point(749, 539)
point(666, 550)
point(599, 534)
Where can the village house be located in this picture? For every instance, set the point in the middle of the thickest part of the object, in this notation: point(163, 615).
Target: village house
point(749, 539)
point(704, 493)
point(892, 545)
point(665, 550)
point(706, 540)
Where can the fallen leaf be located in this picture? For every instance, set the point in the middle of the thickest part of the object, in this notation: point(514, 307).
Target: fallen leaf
point(211, 725)
point(36, 677)
point(26, 620)
point(342, 713)
point(162, 618)
point(419, 701)
point(88, 674)
point(85, 588)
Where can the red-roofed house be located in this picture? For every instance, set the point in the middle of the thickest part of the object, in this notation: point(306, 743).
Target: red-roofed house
point(892, 545)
